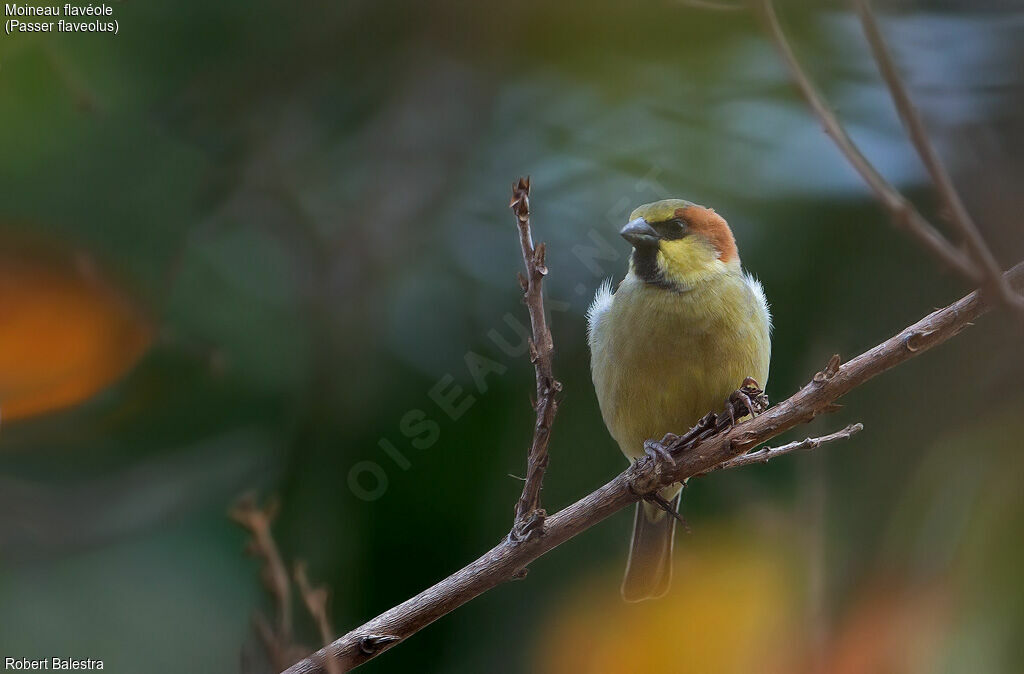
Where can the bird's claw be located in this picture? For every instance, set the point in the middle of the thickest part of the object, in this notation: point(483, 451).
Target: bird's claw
point(749, 398)
point(659, 451)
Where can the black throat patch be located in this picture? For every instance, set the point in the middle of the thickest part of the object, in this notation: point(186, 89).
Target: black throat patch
point(645, 266)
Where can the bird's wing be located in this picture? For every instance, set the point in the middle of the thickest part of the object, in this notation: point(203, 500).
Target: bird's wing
point(599, 310)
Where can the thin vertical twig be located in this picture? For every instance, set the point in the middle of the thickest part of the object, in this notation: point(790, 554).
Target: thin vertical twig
point(529, 516)
point(315, 600)
point(276, 638)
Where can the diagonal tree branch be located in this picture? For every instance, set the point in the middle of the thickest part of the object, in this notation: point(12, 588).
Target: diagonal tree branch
point(529, 515)
point(693, 454)
point(959, 217)
point(901, 211)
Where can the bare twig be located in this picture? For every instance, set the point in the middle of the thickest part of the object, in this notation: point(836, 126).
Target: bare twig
point(958, 215)
point(529, 516)
point(277, 639)
point(901, 211)
point(315, 600)
point(766, 454)
point(697, 455)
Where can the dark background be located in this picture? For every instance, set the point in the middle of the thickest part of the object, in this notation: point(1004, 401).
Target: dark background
point(239, 241)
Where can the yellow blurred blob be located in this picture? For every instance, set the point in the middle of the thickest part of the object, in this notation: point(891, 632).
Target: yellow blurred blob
point(733, 608)
point(65, 333)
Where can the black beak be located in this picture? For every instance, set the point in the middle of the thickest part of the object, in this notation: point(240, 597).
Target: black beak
point(639, 233)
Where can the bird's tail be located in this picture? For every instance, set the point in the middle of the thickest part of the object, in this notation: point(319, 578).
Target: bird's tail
point(649, 570)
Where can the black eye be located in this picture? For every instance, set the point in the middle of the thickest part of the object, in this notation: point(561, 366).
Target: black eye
point(674, 228)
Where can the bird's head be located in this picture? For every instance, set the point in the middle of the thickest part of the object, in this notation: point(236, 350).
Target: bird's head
point(678, 243)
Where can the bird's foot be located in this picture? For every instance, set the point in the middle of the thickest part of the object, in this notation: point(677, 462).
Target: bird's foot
point(673, 443)
point(659, 451)
point(747, 400)
point(659, 456)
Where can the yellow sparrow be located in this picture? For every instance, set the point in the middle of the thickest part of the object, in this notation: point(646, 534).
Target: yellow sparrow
point(680, 333)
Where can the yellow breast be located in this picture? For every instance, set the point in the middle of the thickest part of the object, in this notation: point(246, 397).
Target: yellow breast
point(661, 359)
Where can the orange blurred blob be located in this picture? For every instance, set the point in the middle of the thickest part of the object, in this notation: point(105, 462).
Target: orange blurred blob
point(65, 333)
point(893, 627)
point(733, 608)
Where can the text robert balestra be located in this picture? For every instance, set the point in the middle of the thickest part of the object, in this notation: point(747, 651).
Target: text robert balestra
point(52, 664)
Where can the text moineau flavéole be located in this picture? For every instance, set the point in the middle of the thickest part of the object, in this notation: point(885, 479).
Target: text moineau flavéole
point(14, 9)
